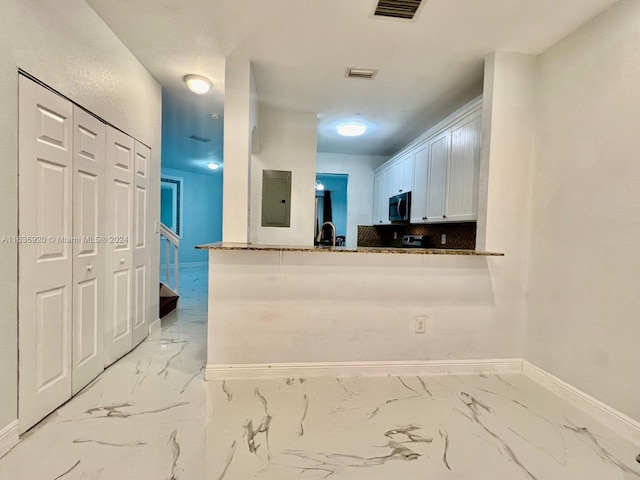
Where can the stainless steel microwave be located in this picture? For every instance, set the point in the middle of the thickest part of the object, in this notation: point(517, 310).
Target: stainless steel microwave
point(399, 207)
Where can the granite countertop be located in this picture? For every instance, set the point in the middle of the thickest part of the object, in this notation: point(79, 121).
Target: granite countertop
point(392, 250)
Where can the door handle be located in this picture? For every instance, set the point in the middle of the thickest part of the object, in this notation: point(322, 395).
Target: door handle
point(89, 268)
point(121, 260)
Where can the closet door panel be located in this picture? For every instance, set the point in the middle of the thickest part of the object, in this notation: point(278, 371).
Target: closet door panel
point(44, 251)
point(88, 247)
point(118, 331)
point(141, 261)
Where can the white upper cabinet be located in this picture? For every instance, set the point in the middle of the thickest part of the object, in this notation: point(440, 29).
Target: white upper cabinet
point(401, 174)
point(441, 170)
point(464, 163)
point(381, 194)
point(395, 178)
point(436, 177)
point(418, 194)
point(430, 173)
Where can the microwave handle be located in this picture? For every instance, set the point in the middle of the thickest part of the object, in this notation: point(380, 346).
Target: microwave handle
point(399, 207)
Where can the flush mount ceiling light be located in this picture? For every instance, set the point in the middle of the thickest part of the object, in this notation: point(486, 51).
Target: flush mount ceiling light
point(351, 129)
point(319, 185)
point(197, 84)
point(213, 165)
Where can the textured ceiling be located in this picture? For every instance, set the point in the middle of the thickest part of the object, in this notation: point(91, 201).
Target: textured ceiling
point(301, 49)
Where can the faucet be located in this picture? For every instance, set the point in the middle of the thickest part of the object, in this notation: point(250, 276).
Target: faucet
point(333, 227)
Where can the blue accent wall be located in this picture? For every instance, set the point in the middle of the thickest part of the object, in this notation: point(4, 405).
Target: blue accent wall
point(337, 185)
point(201, 212)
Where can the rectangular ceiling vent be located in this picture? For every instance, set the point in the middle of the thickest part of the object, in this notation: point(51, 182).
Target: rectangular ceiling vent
point(200, 139)
point(404, 9)
point(366, 73)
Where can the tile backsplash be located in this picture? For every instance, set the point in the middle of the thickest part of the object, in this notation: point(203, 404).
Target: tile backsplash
point(459, 235)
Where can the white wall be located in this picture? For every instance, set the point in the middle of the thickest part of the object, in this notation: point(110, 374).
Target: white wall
point(289, 307)
point(287, 142)
point(67, 46)
point(504, 206)
point(584, 302)
point(359, 189)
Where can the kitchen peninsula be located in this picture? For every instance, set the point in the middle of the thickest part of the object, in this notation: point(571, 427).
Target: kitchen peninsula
point(295, 311)
point(279, 307)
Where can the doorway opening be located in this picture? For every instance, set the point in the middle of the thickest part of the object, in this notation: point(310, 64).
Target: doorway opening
point(331, 205)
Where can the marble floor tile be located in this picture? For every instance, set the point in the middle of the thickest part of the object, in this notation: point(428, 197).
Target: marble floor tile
point(152, 416)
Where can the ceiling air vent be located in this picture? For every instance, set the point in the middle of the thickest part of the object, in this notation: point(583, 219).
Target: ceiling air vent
point(367, 73)
point(405, 9)
point(200, 139)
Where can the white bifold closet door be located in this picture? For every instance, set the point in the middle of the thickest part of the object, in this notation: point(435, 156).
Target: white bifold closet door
point(83, 280)
point(88, 247)
point(141, 260)
point(45, 301)
point(119, 255)
point(127, 255)
point(61, 264)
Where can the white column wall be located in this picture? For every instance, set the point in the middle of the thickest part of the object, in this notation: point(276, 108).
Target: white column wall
point(584, 277)
point(359, 188)
point(288, 141)
point(66, 45)
point(237, 149)
point(508, 152)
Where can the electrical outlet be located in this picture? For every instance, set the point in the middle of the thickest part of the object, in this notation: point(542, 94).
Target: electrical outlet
point(395, 235)
point(421, 324)
point(443, 239)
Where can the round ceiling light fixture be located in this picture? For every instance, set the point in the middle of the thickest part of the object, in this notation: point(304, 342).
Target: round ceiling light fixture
point(197, 83)
point(319, 185)
point(213, 165)
point(352, 128)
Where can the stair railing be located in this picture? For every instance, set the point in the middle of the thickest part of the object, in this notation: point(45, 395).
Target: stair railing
point(171, 240)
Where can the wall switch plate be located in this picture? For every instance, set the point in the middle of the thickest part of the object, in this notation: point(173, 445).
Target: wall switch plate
point(443, 239)
point(421, 324)
point(395, 235)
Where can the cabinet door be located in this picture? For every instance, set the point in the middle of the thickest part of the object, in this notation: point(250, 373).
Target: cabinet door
point(395, 178)
point(419, 191)
point(401, 174)
point(141, 261)
point(381, 194)
point(45, 263)
point(407, 172)
point(388, 191)
point(120, 161)
point(377, 194)
point(464, 162)
point(436, 177)
point(88, 251)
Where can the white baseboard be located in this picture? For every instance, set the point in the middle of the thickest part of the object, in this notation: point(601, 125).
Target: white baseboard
point(154, 326)
point(608, 416)
point(8, 437)
point(355, 369)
